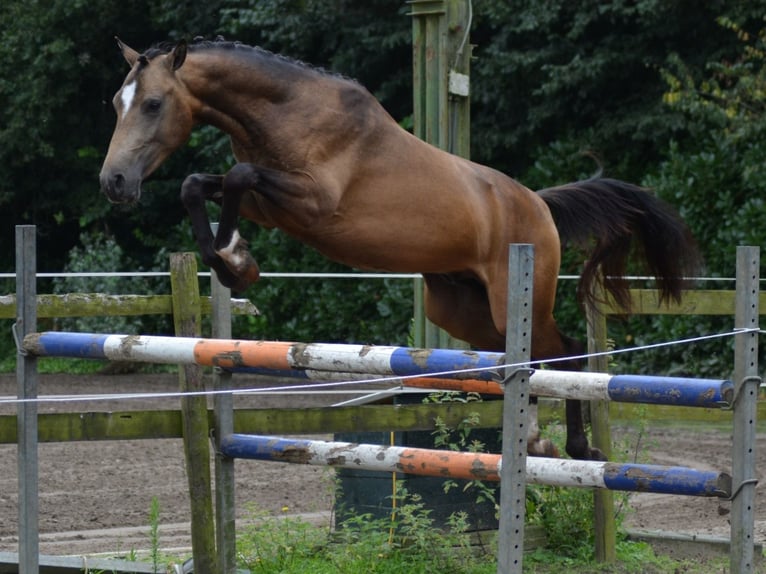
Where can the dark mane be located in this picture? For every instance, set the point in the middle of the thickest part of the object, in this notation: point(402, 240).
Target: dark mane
point(263, 55)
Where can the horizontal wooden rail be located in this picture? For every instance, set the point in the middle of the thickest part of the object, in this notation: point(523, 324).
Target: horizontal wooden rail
point(693, 302)
point(138, 425)
point(103, 305)
point(135, 425)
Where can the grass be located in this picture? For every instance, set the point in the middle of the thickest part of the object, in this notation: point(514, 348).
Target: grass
point(411, 543)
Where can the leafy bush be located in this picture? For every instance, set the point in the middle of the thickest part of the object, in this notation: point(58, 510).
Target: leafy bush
point(99, 253)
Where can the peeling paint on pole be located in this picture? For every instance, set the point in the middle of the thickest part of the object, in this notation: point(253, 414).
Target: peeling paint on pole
point(480, 466)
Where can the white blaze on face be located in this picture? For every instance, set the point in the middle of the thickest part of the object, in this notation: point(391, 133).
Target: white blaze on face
point(127, 95)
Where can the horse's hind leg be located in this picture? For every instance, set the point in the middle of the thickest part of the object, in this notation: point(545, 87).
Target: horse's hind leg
point(549, 343)
point(555, 344)
point(461, 307)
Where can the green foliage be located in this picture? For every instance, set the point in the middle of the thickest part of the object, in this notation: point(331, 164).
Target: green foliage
point(154, 533)
point(367, 41)
point(583, 72)
point(462, 438)
point(716, 178)
point(720, 172)
point(277, 544)
point(100, 253)
point(331, 310)
point(407, 542)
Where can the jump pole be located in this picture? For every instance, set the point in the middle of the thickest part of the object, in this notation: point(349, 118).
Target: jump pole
point(313, 362)
point(480, 466)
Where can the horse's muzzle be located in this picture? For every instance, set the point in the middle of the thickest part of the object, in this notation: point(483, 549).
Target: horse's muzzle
point(118, 189)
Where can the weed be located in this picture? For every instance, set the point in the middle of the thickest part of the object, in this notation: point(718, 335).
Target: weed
point(154, 533)
point(461, 438)
point(278, 544)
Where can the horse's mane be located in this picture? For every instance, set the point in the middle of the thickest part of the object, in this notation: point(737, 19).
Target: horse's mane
point(201, 44)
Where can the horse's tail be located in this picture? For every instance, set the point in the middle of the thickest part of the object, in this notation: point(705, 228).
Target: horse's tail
point(604, 216)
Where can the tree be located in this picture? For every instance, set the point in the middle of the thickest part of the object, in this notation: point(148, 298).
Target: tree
point(555, 77)
point(716, 176)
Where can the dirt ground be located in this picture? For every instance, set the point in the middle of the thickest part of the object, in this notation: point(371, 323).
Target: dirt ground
point(96, 496)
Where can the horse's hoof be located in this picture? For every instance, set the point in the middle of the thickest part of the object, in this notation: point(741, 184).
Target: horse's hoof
point(244, 269)
point(240, 263)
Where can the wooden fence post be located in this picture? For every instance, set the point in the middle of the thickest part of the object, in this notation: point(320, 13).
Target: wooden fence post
point(441, 55)
point(187, 319)
point(604, 524)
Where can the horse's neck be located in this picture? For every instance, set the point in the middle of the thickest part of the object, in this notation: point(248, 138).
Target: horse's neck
point(233, 98)
point(272, 113)
point(240, 99)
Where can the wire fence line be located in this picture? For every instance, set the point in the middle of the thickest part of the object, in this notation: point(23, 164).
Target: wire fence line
point(312, 275)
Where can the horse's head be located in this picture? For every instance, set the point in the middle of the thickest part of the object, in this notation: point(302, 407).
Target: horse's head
point(154, 117)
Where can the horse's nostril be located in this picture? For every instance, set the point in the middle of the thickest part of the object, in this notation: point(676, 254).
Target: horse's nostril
point(118, 183)
point(117, 188)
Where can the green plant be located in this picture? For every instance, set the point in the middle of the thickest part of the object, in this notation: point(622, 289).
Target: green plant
point(98, 252)
point(154, 533)
point(278, 543)
point(407, 542)
point(460, 438)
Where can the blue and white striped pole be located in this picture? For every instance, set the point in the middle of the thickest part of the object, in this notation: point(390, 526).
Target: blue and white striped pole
point(333, 362)
point(481, 466)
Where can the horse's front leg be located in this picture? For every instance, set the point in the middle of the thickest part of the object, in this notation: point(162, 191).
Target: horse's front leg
point(195, 191)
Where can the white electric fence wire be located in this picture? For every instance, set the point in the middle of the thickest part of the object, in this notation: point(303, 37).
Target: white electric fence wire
point(398, 379)
point(311, 275)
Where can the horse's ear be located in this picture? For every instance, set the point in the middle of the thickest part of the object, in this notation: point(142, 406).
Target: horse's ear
point(179, 55)
point(128, 53)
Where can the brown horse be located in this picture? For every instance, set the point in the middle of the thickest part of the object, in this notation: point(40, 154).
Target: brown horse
point(321, 159)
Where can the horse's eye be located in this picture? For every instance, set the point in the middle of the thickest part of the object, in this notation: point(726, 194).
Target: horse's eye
point(152, 105)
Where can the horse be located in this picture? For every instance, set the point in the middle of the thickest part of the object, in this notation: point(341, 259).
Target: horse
point(320, 158)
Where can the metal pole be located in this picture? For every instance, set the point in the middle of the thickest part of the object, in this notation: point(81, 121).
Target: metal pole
point(510, 542)
point(26, 380)
point(745, 411)
point(223, 408)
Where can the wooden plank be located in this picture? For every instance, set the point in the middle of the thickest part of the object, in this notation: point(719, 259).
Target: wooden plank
point(137, 425)
point(102, 305)
point(694, 302)
point(367, 418)
point(9, 564)
point(552, 410)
